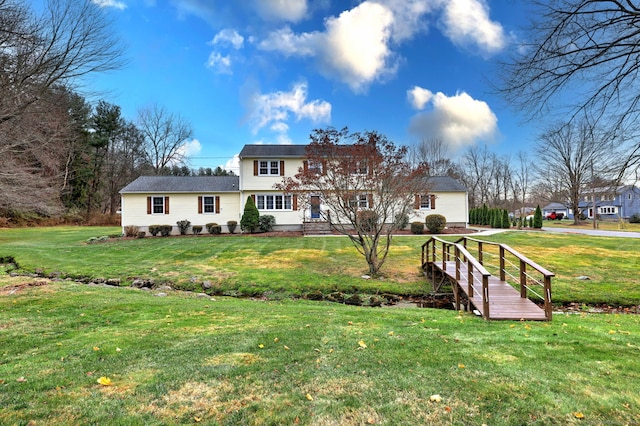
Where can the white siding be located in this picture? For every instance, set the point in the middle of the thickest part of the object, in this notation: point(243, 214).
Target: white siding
point(451, 205)
point(181, 206)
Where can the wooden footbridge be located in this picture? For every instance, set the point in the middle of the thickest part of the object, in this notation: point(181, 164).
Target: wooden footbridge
point(503, 293)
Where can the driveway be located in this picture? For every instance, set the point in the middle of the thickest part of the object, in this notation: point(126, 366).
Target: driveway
point(594, 232)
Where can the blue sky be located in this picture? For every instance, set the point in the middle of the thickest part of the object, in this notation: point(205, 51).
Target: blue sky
point(270, 71)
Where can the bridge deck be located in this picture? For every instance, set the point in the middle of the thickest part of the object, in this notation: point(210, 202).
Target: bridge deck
point(505, 302)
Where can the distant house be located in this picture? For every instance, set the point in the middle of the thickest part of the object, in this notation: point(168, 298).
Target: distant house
point(611, 203)
point(157, 200)
point(557, 208)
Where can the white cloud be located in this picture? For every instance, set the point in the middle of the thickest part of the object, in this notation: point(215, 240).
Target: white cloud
point(467, 23)
point(277, 107)
point(190, 148)
point(408, 16)
point(233, 164)
point(458, 120)
point(282, 10)
point(228, 37)
point(110, 3)
point(418, 97)
point(354, 47)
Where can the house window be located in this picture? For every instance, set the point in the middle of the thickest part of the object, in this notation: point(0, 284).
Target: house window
point(209, 204)
point(360, 201)
point(425, 202)
point(608, 210)
point(314, 167)
point(269, 168)
point(273, 202)
point(158, 205)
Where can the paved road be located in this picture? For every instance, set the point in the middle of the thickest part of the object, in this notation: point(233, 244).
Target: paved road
point(595, 232)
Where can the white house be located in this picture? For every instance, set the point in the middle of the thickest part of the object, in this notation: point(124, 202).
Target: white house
point(165, 200)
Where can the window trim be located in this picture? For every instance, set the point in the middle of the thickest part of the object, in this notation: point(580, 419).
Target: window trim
point(272, 168)
point(215, 204)
point(151, 204)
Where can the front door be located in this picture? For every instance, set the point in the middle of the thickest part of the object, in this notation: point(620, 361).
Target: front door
point(315, 207)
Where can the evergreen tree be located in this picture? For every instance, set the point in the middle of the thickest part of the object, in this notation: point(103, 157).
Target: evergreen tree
point(506, 223)
point(250, 220)
point(537, 218)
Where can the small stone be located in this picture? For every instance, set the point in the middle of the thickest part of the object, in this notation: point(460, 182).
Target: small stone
point(206, 285)
point(202, 295)
point(365, 277)
point(164, 288)
point(583, 278)
point(113, 282)
point(161, 294)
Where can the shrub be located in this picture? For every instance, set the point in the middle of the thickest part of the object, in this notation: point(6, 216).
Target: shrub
point(231, 225)
point(435, 223)
point(141, 234)
point(635, 218)
point(213, 228)
point(266, 222)
point(367, 220)
point(131, 231)
point(197, 229)
point(183, 226)
point(165, 230)
point(154, 229)
point(537, 218)
point(251, 217)
point(417, 227)
point(401, 221)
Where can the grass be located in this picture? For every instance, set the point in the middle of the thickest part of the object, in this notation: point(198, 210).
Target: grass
point(588, 224)
point(181, 359)
point(282, 267)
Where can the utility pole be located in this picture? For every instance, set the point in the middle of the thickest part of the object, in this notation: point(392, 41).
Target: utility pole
point(593, 195)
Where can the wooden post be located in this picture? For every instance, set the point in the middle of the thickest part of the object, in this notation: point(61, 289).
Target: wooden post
point(548, 309)
point(523, 279)
point(444, 258)
point(480, 252)
point(485, 297)
point(502, 263)
point(469, 279)
point(457, 253)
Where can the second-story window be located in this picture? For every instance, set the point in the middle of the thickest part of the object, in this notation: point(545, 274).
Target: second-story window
point(269, 168)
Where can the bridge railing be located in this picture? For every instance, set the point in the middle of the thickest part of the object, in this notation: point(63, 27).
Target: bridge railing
point(438, 250)
point(531, 279)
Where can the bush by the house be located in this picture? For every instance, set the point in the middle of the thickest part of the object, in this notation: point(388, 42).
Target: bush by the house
point(197, 229)
point(250, 220)
point(232, 225)
point(131, 231)
point(635, 218)
point(213, 228)
point(417, 227)
point(266, 222)
point(165, 230)
point(367, 220)
point(141, 234)
point(183, 226)
point(154, 229)
point(401, 221)
point(435, 223)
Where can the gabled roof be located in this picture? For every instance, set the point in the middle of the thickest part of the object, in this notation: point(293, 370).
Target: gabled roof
point(444, 184)
point(166, 184)
point(273, 151)
point(554, 206)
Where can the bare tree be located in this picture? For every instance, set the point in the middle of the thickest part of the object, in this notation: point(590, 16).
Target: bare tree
point(165, 135)
point(41, 56)
point(573, 151)
point(365, 183)
point(582, 55)
point(521, 180)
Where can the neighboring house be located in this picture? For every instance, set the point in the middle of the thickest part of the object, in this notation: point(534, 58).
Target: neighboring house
point(611, 203)
point(556, 208)
point(158, 200)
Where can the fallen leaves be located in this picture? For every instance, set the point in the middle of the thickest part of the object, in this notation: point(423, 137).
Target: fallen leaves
point(104, 381)
point(578, 415)
point(309, 397)
point(362, 344)
point(435, 398)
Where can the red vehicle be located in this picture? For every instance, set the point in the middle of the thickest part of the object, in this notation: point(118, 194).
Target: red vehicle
point(555, 216)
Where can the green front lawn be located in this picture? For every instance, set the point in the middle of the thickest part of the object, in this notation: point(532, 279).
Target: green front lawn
point(181, 359)
point(282, 267)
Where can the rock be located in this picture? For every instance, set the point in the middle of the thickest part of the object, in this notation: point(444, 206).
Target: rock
point(354, 300)
point(206, 285)
point(164, 288)
point(365, 277)
point(113, 282)
point(193, 279)
point(583, 278)
point(161, 294)
point(202, 295)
